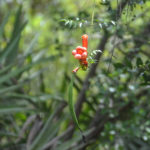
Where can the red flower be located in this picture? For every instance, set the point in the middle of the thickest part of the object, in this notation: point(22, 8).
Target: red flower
point(81, 53)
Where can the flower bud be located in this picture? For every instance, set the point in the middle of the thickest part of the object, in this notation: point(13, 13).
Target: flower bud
point(77, 56)
point(75, 70)
point(84, 55)
point(80, 49)
point(74, 52)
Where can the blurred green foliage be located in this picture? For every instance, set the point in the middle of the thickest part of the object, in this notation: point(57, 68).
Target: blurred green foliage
point(36, 40)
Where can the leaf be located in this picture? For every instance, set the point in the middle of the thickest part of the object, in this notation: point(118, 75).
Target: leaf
point(139, 62)
point(46, 134)
point(118, 65)
point(28, 51)
point(5, 69)
point(3, 24)
point(113, 22)
point(104, 2)
point(18, 25)
point(18, 28)
point(67, 145)
point(9, 134)
point(18, 71)
point(38, 140)
point(100, 25)
point(128, 63)
point(71, 105)
point(10, 110)
point(12, 55)
point(9, 49)
point(38, 98)
point(10, 88)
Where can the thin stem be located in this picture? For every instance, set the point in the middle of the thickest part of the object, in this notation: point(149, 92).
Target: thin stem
point(93, 13)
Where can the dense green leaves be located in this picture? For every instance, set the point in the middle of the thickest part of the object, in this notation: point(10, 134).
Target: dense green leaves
point(46, 134)
point(82, 23)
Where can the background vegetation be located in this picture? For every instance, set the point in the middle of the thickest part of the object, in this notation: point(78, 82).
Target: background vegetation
point(111, 98)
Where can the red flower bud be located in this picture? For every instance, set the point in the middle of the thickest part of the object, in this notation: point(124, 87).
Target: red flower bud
point(74, 52)
point(84, 55)
point(75, 70)
point(77, 56)
point(80, 49)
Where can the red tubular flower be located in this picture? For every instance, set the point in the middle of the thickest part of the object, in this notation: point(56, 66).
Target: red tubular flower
point(85, 41)
point(81, 53)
